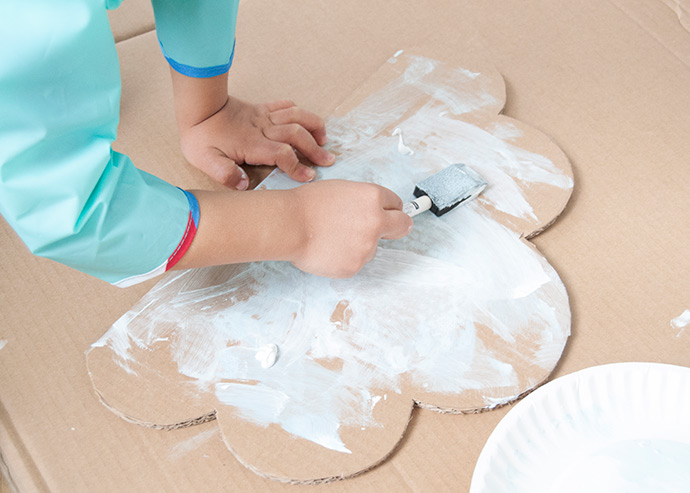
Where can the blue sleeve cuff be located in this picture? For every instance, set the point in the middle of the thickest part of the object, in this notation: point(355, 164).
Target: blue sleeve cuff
point(199, 72)
point(197, 37)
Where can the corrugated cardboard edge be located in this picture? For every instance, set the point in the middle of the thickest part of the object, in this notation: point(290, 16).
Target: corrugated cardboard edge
point(204, 418)
point(328, 479)
point(447, 410)
point(212, 417)
point(567, 199)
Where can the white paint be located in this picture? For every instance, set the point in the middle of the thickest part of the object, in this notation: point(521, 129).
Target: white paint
point(504, 130)
point(266, 355)
point(470, 74)
point(418, 314)
point(681, 322)
point(439, 139)
point(402, 148)
point(185, 447)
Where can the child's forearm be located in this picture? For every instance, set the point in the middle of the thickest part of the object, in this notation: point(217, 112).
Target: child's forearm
point(329, 228)
point(237, 227)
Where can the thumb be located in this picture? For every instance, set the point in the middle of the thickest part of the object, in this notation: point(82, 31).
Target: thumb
point(225, 171)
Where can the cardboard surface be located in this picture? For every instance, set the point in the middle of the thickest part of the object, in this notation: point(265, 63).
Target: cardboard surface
point(356, 353)
point(132, 18)
point(606, 80)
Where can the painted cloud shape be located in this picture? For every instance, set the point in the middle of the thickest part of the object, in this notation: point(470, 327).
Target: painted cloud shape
point(462, 315)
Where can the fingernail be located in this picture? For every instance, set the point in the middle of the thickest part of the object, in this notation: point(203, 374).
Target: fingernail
point(331, 157)
point(310, 174)
point(244, 181)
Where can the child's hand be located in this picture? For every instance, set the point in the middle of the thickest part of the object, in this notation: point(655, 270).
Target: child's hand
point(329, 228)
point(255, 134)
point(342, 224)
point(218, 132)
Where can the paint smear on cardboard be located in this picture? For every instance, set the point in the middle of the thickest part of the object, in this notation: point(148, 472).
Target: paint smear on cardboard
point(185, 447)
point(428, 311)
point(681, 322)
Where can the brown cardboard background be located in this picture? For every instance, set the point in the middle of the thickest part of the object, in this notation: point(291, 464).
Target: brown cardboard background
point(132, 18)
point(607, 80)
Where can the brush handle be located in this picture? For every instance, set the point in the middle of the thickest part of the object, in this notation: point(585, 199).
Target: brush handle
point(417, 206)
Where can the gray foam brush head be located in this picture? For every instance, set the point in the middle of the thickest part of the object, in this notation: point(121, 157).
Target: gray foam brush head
point(454, 185)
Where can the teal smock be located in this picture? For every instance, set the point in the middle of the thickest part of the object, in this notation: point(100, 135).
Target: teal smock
point(66, 193)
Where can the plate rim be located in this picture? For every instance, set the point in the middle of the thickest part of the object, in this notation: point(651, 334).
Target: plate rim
point(492, 448)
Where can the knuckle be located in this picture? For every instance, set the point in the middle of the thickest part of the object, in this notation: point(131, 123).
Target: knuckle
point(293, 112)
point(381, 193)
point(285, 156)
point(285, 152)
point(294, 131)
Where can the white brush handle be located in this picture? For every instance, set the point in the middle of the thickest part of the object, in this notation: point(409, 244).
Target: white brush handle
point(417, 206)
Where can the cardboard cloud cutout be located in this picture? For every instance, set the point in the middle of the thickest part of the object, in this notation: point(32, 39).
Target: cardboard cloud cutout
point(463, 315)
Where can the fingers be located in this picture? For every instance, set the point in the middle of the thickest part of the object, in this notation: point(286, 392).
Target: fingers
point(225, 171)
point(389, 200)
point(293, 114)
point(292, 127)
point(396, 225)
point(279, 105)
point(283, 156)
point(298, 137)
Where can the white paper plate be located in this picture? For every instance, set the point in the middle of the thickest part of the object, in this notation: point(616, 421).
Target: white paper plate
point(623, 427)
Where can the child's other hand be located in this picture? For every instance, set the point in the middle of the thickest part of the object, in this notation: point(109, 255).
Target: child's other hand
point(244, 133)
point(341, 224)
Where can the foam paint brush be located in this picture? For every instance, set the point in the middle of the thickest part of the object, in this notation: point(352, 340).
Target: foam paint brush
point(452, 186)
